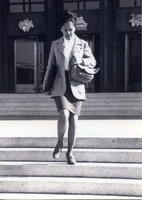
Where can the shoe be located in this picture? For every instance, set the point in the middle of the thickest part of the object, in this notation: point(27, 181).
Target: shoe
point(70, 159)
point(56, 152)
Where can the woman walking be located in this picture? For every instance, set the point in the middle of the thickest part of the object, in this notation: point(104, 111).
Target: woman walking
point(67, 93)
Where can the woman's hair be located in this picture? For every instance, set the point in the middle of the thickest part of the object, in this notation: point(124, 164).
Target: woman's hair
point(67, 16)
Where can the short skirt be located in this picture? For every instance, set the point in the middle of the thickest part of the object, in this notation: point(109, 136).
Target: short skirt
point(68, 101)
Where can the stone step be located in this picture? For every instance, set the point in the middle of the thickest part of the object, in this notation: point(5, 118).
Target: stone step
point(89, 101)
point(84, 108)
point(51, 104)
point(61, 169)
point(81, 155)
point(85, 114)
point(131, 129)
point(46, 100)
point(62, 185)
point(18, 196)
point(89, 95)
point(115, 94)
point(88, 143)
point(99, 105)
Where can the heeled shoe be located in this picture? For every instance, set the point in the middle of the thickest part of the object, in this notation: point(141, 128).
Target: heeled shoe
point(70, 159)
point(56, 153)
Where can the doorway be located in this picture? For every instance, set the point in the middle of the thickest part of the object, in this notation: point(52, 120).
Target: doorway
point(29, 65)
point(129, 67)
point(135, 71)
point(132, 62)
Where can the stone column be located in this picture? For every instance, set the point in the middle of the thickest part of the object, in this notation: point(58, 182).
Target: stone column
point(107, 45)
point(3, 46)
point(51, 26)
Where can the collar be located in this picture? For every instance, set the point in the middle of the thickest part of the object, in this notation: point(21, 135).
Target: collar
point(61, 44)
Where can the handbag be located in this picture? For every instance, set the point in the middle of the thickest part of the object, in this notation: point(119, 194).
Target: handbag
point(83, 74)
point(49, 81)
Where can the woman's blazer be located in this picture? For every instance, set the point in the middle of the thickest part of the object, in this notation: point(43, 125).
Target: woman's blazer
point(56, 57)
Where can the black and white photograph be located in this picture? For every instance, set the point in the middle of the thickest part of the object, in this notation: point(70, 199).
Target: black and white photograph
point(70, 99)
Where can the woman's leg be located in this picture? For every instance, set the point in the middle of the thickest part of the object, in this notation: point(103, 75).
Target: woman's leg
point(71, 137)
point(72, 131)
point(63, 124)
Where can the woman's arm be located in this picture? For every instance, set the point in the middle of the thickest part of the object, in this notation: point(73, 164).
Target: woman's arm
point(88, 58)
point(51, 62)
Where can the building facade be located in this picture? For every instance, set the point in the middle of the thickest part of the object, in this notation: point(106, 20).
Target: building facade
point(111, 27)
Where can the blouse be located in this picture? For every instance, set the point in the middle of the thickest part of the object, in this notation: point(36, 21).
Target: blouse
point(68, 45)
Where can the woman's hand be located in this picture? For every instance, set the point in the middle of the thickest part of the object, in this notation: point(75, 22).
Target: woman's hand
point(75, 60)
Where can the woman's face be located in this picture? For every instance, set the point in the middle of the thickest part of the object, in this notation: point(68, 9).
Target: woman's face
point(68, 30)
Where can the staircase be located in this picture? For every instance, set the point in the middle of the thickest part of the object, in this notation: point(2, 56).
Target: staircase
point(109, 161)
point(97, 106)
point(108, 149)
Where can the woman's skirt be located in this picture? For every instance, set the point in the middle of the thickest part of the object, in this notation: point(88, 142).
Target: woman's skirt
point(68, 101)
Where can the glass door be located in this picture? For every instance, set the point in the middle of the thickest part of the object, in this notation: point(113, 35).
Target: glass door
point(29, 65)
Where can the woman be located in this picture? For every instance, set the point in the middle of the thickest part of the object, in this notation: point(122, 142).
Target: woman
point(68, 94)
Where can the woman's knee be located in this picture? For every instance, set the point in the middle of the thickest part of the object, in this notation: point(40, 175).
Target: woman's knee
point(73, 117)
point(64, 114)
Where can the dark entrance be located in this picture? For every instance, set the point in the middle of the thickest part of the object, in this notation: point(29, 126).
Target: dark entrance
point(135, 68)
point(132, 62)
point(129, 68)
point(29, 65)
